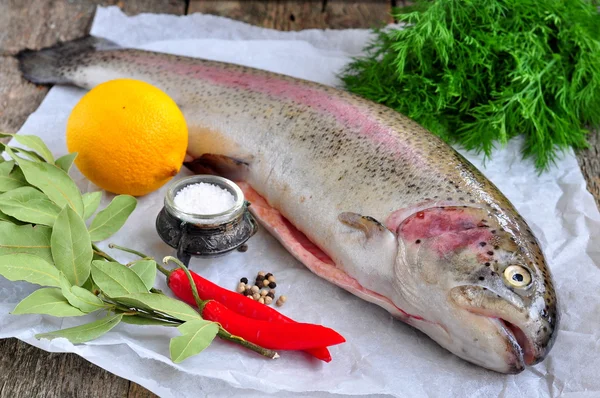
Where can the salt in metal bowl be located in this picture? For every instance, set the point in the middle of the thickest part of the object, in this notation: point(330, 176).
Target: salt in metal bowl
point(205, 235)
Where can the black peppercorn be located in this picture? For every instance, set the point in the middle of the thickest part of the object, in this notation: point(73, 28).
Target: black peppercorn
point(272, 295)
point(260, 278)
point(268, 275)
point(248, 292)
point(272, 285)
point(244, 280)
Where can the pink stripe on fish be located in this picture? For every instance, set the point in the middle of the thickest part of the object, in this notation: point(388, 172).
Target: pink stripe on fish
point(344, 112)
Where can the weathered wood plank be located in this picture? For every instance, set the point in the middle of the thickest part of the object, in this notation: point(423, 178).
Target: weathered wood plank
point(297, 15)
point(18, 98)
point(589, 161)
point(26, 371)
point(137, 391)
point(36, 24)
point(341, 14)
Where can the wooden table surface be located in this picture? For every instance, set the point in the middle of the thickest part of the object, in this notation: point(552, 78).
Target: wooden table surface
point(26, 371)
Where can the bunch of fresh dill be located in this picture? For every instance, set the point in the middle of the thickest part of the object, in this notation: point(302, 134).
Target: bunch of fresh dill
point(479, 71)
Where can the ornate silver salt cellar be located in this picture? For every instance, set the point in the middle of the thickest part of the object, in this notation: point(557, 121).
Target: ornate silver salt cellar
point(205, 235)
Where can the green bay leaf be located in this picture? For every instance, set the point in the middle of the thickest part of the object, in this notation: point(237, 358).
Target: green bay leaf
point(49, 301)
point(89, 331)
point(160, 303)
point(71, 247)
point(78, 297)
point(29, 205)
point(34, 157)
point(52, 181)
point(34, 142)
point(25, 239)
point(29, 268)
point(6, 166)
point(91, 201)
point(112, 218)
point(89, 285)
point(146, 270)
point(196, 336)
point(115, 279)
point(11, 177)
point(65, 162)
point(6, 217)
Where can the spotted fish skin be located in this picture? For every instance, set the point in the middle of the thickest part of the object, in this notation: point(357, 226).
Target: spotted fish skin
point(404, 220)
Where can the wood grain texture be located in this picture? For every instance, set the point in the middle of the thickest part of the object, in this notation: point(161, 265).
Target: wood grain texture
point(297, 15)
point(36, 24)
point(137, 391)
point(26, 371)
point(589, 161)
point(18, 98)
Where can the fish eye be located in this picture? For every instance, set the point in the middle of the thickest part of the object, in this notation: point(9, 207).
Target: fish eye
point(517, 276)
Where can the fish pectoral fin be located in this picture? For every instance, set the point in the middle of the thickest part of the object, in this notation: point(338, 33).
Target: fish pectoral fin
point(221, 165)
point(368, 225)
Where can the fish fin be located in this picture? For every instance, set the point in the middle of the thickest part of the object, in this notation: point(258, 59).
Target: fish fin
point(370, 226)
point(222, 165)
point(44, 66)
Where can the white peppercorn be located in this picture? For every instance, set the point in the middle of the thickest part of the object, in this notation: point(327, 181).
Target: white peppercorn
point(281, 300)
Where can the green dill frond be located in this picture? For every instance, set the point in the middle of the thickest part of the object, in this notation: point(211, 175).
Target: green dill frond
point(480, 72)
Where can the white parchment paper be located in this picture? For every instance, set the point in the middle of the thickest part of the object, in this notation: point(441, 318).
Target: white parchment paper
point(382, 356)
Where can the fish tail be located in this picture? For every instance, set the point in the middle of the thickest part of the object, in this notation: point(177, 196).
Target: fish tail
point(48, 66)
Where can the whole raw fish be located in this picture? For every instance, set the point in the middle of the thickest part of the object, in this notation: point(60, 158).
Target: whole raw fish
point(363, 196)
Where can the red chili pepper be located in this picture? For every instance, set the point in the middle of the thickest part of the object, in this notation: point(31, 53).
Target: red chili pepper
point(265, 320)
point(235, 302)
point(271, 335)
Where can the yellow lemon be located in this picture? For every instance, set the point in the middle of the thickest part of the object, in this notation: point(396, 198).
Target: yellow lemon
point(130, 136)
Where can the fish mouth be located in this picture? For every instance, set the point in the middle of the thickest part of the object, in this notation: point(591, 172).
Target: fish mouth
point(518, 340)
point(511, 327)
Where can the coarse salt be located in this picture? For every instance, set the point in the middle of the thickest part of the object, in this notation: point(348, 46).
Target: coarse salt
point(203, 198)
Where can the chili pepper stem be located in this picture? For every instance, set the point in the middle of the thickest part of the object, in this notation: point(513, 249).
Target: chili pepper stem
point(199, 302)
point(225, 335)
point(102, 254)
point(163, 270)
point(128, 250)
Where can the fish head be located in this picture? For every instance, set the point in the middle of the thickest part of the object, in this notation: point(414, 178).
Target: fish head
point(487, 287)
